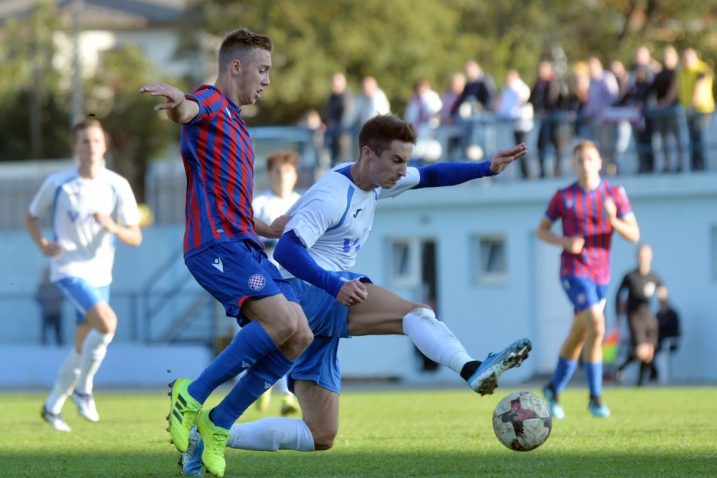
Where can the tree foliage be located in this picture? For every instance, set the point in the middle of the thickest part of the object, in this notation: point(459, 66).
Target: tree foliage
point(29, 75)
point(399, 41)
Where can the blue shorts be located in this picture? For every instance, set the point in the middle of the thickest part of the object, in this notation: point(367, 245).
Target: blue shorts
point(233, 272)
point(582, 292)
point(328, 320)
point(82, 295)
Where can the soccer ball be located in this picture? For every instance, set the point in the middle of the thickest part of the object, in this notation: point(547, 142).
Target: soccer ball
point(522, 421)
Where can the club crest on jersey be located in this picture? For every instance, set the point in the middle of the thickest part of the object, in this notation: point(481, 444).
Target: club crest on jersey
point(257, 282)
point(569, 203)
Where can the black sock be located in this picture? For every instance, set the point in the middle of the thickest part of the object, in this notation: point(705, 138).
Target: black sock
point(469, 369)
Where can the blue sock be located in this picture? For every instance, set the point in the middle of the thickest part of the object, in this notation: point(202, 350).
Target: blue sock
point(255, 381)
point(593, 373)
point(249, 345)
point(563, 372)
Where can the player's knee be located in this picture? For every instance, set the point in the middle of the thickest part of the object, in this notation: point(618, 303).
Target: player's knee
point(324, 440)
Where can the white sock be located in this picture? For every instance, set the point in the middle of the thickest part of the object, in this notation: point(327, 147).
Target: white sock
point(94, 349)
point(434, 339)
point(271, 434)
point(65, 383)
point(281, 386)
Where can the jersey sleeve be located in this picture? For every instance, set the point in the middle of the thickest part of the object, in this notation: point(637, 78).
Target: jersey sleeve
point(312, 215)
point(127, 210)
point(43, 198)
point(210, 103)
point(621, 201)
point(555, 207)
point(410, 180)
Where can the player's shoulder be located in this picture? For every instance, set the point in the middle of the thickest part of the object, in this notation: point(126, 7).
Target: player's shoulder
point(59, 178)
point(114, 179)
point(614, 188)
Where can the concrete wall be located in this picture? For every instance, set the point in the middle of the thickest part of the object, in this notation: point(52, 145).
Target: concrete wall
point(677, 215)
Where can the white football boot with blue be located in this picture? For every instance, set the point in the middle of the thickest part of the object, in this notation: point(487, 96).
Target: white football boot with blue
point(86, 407)
point(190, 462)
point(56, 420)
point(485, 379)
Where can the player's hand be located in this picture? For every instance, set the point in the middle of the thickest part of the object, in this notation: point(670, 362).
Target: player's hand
point(352, 292)
point(503, 158)
point(49, 248)
point(278, 225)
point(106, 222)
point(573, 244)
point(610, 209)
point(174, 95)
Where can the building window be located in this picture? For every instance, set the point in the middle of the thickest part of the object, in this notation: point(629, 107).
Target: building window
point(492, 259)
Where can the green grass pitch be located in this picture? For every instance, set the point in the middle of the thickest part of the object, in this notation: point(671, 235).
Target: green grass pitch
point(653, 432)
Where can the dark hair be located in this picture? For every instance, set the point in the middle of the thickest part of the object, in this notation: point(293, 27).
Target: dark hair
point(277, 158)
point(238, 43)
point(378, 132)
point(87, 123)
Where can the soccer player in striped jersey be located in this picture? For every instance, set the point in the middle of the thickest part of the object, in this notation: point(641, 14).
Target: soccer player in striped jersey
point(222, 250)
point(590, 210)
point(329, 224)
point(90, 206)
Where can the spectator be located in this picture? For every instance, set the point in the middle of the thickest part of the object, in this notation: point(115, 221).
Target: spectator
point(694, 82)
point(668, 335)
point(637, 98)
point(602, 93)
point(546, 98)
point(479, 90)
point(423, 111)
point(50, 300)
point(336, 111)
point(449, 98)
point(311, 121)
point(666, 115)
point(514, 105)
point(371, 102)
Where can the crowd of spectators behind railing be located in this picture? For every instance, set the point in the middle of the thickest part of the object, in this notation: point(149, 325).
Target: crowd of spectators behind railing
point(648, 104)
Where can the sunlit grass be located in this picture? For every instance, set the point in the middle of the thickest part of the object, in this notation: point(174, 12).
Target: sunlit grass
point(653, 432)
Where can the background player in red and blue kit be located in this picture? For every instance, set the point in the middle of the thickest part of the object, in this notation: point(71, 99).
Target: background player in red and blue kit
point(221, 248)
point(590, 210)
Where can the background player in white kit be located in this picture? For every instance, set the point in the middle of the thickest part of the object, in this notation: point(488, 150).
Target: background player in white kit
point(268, 206)
point(329, 224)
point(89, 206)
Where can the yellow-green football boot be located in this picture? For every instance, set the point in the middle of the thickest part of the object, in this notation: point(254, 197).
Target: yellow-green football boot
point(182, 413)
point(215, 440)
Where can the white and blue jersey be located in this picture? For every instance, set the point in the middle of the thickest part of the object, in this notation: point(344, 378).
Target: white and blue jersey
point(334, 218)
point(87, 248)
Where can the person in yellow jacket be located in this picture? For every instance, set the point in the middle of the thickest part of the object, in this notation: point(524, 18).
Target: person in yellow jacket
point(694, 86)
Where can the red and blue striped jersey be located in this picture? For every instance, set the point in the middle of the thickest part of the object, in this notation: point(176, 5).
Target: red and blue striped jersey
point(582, 214)
point(218, 156)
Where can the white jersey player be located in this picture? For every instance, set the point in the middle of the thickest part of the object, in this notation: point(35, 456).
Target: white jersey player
point(329, 225)
point(268, 206)
point(88, 206)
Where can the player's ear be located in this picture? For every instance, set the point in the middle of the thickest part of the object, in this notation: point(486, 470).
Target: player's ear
point(366, 151)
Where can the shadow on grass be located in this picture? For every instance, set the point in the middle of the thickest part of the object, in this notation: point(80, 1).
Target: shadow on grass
point(344, 463)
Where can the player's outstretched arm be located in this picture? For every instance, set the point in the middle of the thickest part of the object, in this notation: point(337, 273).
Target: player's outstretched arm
point(179, 109)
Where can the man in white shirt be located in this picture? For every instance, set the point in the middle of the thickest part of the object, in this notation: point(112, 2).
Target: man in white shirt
point(281, 169)
point(90, 206)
